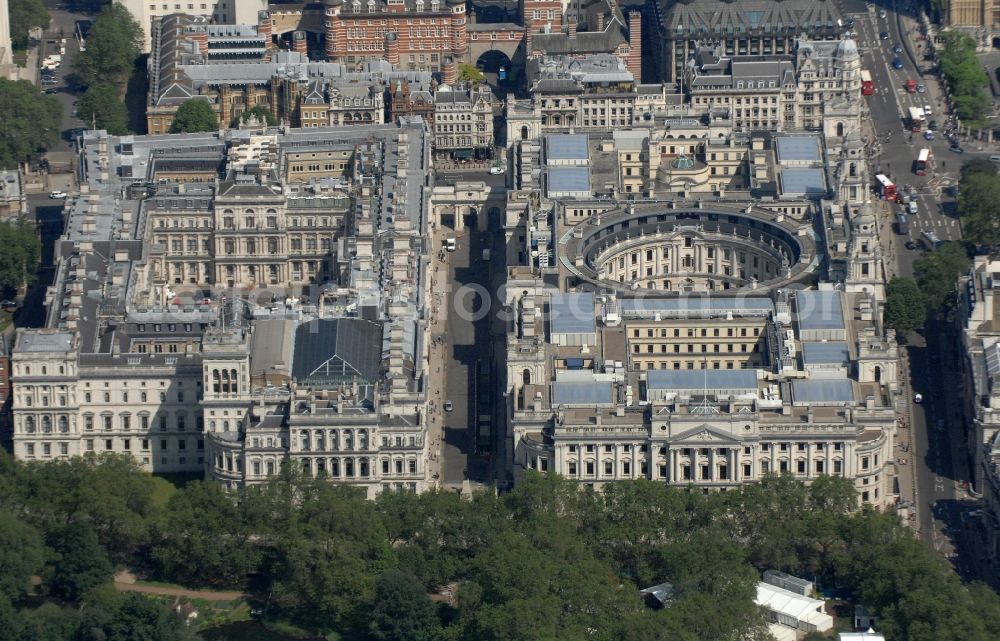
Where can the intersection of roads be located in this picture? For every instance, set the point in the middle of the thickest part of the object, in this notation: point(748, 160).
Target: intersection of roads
point(931, 446)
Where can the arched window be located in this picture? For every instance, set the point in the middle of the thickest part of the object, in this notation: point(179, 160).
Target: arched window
point(526, 377)
point(29, 424)
point(363, 440)
point(840, 130)
point(348, 441)
point(46, 424)
point(63, 424)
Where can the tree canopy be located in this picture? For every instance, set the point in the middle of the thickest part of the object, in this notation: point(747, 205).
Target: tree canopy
point(24, 16)
point(550, 560)
point(29, 121)
point(194, 115)
point(113, 44)
point(937, 272)
point(22, 250)
point(469, 73)
point(977, 202)
point(101, 105)
point(905, 307)
point(964, 75)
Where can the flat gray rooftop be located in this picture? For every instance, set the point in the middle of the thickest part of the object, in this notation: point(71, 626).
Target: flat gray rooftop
point(798, 148)
point(696, 379)
point(568, 179)
point(38, 342)
point(694, 305)
point(803, 181)
point(819, 310)
point(566, 147)
point(588, 393)
point(832, 353)
point(572, 313)
point(822, 391)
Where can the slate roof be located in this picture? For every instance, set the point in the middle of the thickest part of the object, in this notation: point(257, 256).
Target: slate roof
point(338, 350)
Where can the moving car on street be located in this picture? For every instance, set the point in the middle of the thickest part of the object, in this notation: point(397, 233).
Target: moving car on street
point(57, 194)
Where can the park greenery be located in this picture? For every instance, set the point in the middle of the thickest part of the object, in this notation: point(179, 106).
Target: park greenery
point(965, 77)
point(550, 560)
point(194, 114)
point(25, 15)
point(979, 193)
point(21, 252)
point(29, 121)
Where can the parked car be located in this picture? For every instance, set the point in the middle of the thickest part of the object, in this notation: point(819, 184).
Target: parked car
point(884, 35)
point(910, 244)
point(897, 49)
point(956, 149)
point(881, 13)
point(897, 63)
point(928, 135)
point(57, 194)
point(448, 406)
point(496, 169)
point(932, 125)
point(8, 306)
point(918, 398)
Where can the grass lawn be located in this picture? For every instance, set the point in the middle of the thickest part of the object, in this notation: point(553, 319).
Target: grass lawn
point(5, 319)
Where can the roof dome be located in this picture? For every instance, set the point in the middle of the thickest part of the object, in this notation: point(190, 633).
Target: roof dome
point(847, 48)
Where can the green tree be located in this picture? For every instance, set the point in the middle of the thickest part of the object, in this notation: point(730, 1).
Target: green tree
point(905, 307)
point(114, 43)
point(203, 538)
point(80, 562)
point(975, 166)
point(980, 193)
point(21, 556)
point(29, 121)
point(21, 253)
point(403, 611)
point(101, 105)
point(964, 75)
point(260, 112)
point(469, 73)
point(25, 15)
point(937, 273)
point(10, 621)
point(49, 622)
point(194, 115)
point(130, 617)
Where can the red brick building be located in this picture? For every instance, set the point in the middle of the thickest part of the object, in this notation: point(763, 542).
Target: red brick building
point(410, 34)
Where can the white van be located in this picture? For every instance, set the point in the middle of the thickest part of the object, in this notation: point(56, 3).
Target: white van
point(449, 243)
point(913, 207)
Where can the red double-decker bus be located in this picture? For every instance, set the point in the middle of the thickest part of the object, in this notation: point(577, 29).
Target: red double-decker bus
point(922, 164)
point(886, 188)
point(867, 86)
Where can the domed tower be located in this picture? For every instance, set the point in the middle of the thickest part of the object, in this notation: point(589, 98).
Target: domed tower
point(392, 48)
point(865, 262)
point(459, 36)
point(849, 62)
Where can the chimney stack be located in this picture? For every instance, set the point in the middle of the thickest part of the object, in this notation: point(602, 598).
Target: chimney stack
point(600, 22)
point(572, 29)
point(265, 27)
point(449, 72)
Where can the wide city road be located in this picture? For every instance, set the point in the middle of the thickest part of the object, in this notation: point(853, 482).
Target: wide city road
point(933, 453)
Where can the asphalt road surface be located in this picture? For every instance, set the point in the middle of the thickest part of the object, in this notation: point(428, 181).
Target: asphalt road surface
point(937, 443)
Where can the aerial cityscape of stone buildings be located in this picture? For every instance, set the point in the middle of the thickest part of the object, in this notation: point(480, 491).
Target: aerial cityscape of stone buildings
point(688, 250)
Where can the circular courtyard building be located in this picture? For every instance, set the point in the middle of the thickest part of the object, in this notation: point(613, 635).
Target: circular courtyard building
point(689, 247)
